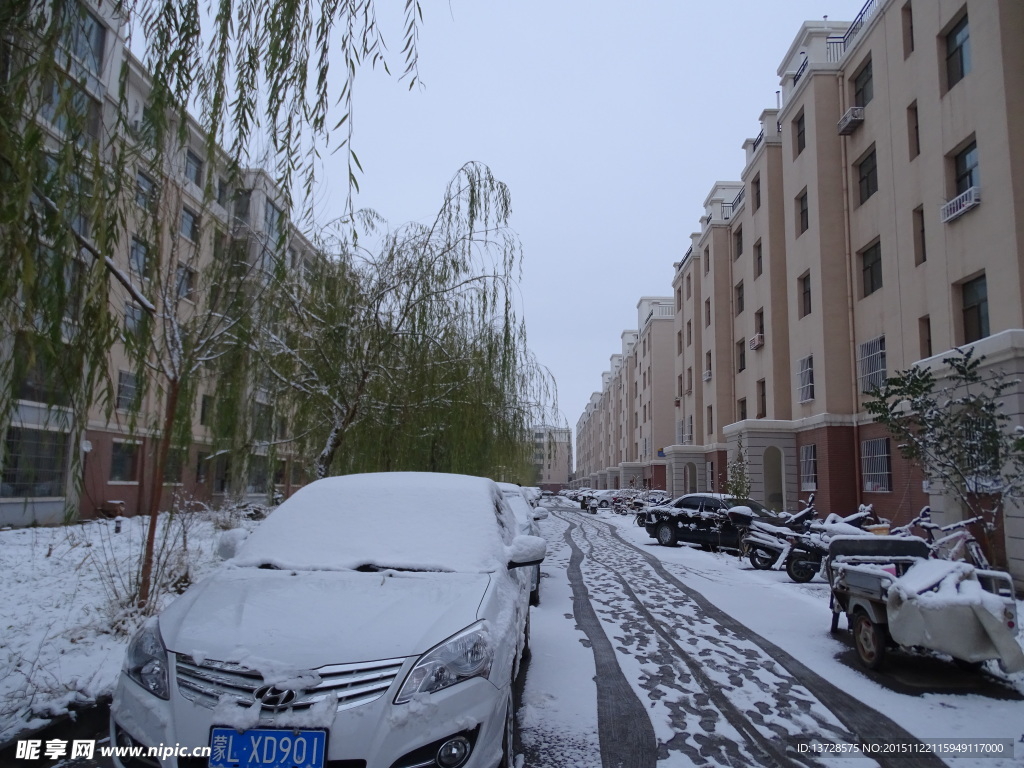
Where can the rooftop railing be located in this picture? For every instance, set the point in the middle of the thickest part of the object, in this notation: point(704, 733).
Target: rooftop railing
point(837, 45)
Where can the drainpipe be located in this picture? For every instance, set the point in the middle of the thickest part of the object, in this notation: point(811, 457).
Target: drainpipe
point(850, 298)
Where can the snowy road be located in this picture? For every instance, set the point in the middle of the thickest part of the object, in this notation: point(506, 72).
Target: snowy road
point(678, 681)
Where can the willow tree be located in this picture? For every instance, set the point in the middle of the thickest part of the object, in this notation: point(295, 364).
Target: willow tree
point(255, 74)
point(411, 355)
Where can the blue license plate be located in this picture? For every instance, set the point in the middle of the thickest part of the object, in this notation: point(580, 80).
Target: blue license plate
point(267, 748)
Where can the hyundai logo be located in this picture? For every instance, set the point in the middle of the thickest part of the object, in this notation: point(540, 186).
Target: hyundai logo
point(272, 697)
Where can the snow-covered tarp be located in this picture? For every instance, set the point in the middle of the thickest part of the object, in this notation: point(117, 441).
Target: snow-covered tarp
point(942, 605)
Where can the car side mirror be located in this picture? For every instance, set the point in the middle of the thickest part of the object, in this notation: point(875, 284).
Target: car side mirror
point(526, 550)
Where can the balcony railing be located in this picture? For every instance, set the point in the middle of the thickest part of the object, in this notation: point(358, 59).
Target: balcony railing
point(836, 45)
point(738, 200)
point(758, 140)
point(960, 204)
point(800, 71)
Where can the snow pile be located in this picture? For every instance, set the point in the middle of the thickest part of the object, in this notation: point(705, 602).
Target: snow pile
point(58, 649)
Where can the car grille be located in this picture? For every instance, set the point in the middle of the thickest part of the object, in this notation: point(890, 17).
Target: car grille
point(354, 684)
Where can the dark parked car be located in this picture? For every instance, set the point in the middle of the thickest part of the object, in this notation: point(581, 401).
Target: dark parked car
point(699, 518)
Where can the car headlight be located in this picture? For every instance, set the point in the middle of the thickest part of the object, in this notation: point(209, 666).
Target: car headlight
point(146, 660)
point(461, 657)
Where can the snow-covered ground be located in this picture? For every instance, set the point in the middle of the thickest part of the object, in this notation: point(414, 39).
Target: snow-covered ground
point(58, 604)
point(791, 616)
point(57, 650)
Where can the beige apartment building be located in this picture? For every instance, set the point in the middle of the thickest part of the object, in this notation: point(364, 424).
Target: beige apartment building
point(878, 222)
point(552, 457)
point(622, 434)
point(43, 446)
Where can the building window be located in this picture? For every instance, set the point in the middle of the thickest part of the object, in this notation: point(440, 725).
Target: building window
point(762, 398)
point(189, 224)
point(127, 390)
point(689, 380)
point(223, 192)
point(958, 53)
point(34, 463)
point(965, 166)
point(687, 286)
point(137, 256)
point(710, 420)
point(805, 380)
point(758, 259)
point(145, 191)
point(206, 410)
point(679, 299)
point(863, 86)
point(707, 312)
point(804, 284)
point(272, 217)
point(802, 213)
point(974, 295)
point(924, 334)
point(867, 175)
point(707, 365)
point(913, 131)
point(737, 243)
point(799, 134)
point(679, 342)
point(920, 249)
point(875, 465)
point(741, 355)
point(871, 268)
point(908, 29)
point(70, 108)
point(755, 192)
point(809, 467)
point(679, 386)
point(738, 293)
point(872, 364)
point(186, 283)
point(124, 462)
point(174, 466)
point(707, 260)
point(741, 409)
point(193, 168)
point(133, 318)
point(202, 467)
point(83, 36)
point(689, 333)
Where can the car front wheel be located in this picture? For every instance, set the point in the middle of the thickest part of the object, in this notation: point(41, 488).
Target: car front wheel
point(667, 534)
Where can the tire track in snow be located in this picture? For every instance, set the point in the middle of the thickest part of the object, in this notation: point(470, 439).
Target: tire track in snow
point(726, 670)
point(624, 729)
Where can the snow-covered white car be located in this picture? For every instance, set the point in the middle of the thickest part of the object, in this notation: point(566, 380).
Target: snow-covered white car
point(373, 620)
point(527, 517)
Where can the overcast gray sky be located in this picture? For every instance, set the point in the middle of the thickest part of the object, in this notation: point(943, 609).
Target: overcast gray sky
point(609, 121)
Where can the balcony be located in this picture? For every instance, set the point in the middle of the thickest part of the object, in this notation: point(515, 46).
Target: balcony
point(851, 121)
point(960, 204)
point(757, 341)
point(707, 375)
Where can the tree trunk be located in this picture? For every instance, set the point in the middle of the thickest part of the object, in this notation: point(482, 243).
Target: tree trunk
point(162, 450)
point(326, 457)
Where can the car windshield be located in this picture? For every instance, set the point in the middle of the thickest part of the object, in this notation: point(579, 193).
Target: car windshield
point(407, 521)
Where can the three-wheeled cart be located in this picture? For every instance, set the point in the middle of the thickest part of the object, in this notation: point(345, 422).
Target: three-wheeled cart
point(894, 595)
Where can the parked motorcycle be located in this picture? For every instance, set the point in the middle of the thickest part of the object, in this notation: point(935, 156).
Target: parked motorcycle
point(767, 544)
point(809, 548)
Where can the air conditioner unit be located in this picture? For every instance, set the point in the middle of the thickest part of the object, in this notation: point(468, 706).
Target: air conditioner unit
point(677, 401)
point(960, 204)
point(757, 341)
point(849, 122)
point(707, 375)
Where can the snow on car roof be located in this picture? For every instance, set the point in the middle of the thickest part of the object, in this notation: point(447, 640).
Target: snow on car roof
point(418, 521)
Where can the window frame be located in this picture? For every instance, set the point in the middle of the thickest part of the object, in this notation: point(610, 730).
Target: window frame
point(809, 467)
point(958, 52)
point(867, 175)
point(863, 85)
point(871, 269)
point(876, 465)
point(805, 379)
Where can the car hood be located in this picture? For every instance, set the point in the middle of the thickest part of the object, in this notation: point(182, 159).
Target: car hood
point(305, 619)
